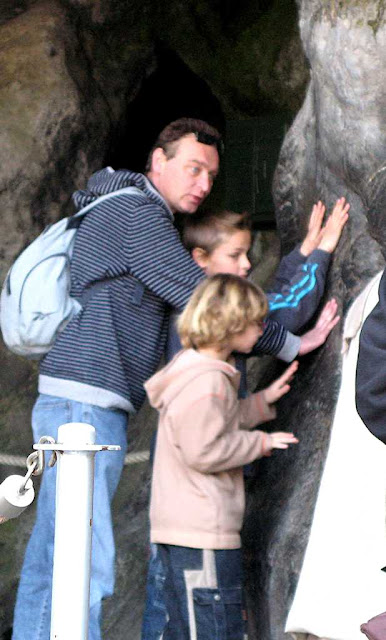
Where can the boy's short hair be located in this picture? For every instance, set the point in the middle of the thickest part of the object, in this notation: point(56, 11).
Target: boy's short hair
point(207, 230)
point(176, 130)
point(221, 306)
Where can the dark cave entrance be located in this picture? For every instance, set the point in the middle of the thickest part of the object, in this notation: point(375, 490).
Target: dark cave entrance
point(172, 91)
point(252, 146)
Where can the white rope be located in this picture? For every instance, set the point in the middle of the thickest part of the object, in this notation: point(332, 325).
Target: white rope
point(9, 460)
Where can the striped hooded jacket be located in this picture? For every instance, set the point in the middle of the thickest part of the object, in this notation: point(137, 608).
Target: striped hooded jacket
point(114, 344)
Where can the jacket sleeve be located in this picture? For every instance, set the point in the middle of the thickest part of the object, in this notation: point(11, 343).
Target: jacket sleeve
point(206, 443)
point(298, 288)
point(156, 256)
point(371, 368)
point(254, 409)
point(288, 267)
point(276, 341)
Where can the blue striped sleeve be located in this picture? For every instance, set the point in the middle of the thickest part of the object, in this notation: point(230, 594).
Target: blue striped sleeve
point(158, 258)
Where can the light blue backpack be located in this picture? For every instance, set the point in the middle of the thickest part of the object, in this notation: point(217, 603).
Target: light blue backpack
point(35, 302)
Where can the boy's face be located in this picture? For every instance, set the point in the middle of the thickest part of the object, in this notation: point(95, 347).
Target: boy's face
point(186, 179)
point(243, 342)
point(229, 257)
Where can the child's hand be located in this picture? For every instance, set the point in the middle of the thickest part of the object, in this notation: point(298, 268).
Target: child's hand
point(325, 324)
point(281, 440)
point(333, 228)
point(314, 233)
point(280, 386)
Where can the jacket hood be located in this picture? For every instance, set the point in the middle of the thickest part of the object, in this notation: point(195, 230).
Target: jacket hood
point(108, 180)
point(186, 366)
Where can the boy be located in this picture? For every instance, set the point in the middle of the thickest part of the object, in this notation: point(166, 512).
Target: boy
point(219, 243)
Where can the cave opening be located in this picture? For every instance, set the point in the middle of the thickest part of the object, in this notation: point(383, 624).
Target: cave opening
point(252, 145)
point(172, 91)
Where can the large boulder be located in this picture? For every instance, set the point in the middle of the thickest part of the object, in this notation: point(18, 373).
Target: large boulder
point(335, 147)
point(65, 83)
point(70, 70)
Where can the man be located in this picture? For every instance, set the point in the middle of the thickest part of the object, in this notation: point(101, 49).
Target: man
point(95, 371)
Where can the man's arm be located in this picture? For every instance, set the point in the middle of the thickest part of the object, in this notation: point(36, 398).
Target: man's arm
point(155, 255)
point(277, 341)
point(371, 368)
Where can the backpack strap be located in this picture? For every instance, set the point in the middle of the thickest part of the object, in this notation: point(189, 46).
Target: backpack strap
point(75, 221)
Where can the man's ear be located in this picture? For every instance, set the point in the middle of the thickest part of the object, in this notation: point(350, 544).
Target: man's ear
point(200, 257)
point(158, 160)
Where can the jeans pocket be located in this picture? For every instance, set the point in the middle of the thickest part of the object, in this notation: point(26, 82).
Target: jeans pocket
point(218, 614)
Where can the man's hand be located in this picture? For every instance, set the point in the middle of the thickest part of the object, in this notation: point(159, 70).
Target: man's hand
point(318, 335)
point(280, 386)
point(314, 233)
point(333, 228)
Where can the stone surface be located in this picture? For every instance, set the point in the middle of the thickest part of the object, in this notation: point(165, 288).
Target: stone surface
point(70, 70)
point(336, 146)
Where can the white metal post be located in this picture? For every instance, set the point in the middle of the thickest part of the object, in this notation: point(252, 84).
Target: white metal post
point(73, 529)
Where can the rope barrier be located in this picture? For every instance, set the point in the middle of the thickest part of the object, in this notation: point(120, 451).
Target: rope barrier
point(9, 460)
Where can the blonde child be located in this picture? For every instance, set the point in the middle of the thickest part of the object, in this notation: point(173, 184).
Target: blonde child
point(197, 501)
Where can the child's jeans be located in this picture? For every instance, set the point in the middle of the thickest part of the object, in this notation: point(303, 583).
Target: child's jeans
point(203, 593)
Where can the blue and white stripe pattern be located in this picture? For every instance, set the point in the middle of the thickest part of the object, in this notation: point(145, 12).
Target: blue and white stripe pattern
point(116, 341)
point(272, 340)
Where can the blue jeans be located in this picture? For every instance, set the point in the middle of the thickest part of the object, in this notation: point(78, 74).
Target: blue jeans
point(203, 593)
point(32, 617)
point(155, 614)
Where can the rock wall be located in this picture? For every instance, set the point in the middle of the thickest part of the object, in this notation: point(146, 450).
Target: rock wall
point(70, 70)
point(335, 147)
point(67, 76)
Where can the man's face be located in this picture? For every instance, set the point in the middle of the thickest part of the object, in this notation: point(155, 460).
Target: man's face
point(186, 179)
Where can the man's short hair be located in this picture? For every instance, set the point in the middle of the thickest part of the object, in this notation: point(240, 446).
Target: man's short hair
point(176, 130)
point(208, 229)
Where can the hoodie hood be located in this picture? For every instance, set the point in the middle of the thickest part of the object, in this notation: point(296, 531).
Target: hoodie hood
point(108, 180)
point(185, 367)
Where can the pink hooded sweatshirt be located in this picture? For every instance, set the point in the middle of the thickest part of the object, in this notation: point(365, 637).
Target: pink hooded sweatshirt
point(197, 496)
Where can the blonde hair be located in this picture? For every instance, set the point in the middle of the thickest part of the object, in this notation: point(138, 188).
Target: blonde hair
point(207, 230)
point(220, 307)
